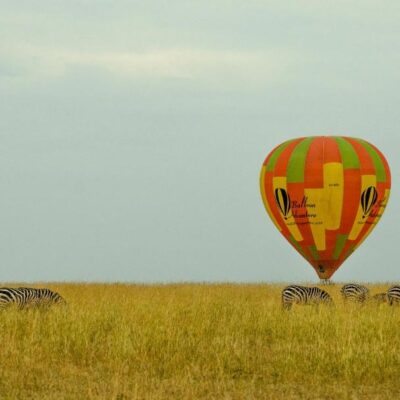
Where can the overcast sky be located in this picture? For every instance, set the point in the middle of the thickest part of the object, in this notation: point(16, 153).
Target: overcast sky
point(133, 132)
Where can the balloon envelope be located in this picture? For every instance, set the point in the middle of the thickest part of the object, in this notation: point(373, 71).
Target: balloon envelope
point(325, 194)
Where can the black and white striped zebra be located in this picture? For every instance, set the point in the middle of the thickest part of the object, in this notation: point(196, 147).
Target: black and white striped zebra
point(295, 294)
point(355, 292)
point(24, 297)
point(393, 295)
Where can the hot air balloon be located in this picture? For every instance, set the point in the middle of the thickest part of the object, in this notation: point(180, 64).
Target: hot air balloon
point(325, 194)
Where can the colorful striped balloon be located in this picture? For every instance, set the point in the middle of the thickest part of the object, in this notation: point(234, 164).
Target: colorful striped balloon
point(325, 194)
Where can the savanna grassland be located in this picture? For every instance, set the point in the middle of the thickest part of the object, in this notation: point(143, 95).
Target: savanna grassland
point(198, 342)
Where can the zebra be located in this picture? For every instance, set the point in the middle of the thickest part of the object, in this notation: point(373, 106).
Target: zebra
point(24, 297)
point(354, 292)
point(393, 295)
point(295, 294)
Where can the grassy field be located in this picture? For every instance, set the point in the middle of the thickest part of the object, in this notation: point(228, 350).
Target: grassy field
point(198, 342)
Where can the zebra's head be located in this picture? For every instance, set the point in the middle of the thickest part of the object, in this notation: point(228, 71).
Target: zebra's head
point(327, 298)
point(329, 301)
point(60, 300)
point(54, 297)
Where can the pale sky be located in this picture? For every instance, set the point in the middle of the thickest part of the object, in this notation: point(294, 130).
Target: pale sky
point(133, 132)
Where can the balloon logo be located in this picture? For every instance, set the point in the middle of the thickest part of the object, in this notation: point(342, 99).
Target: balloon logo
point(325, 194)
point(368, 199)
point(283, 201)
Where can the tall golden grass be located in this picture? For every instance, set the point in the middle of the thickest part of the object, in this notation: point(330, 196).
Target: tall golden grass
point(198, 342)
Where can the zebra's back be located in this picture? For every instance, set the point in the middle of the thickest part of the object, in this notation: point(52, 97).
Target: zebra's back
point(24, 297)
point(295, 294)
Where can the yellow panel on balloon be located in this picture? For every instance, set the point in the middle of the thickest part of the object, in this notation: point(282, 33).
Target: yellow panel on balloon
point(279, 182)
point(383, 205)
point(316, 196)
point(366, 182)
point(333, 195)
